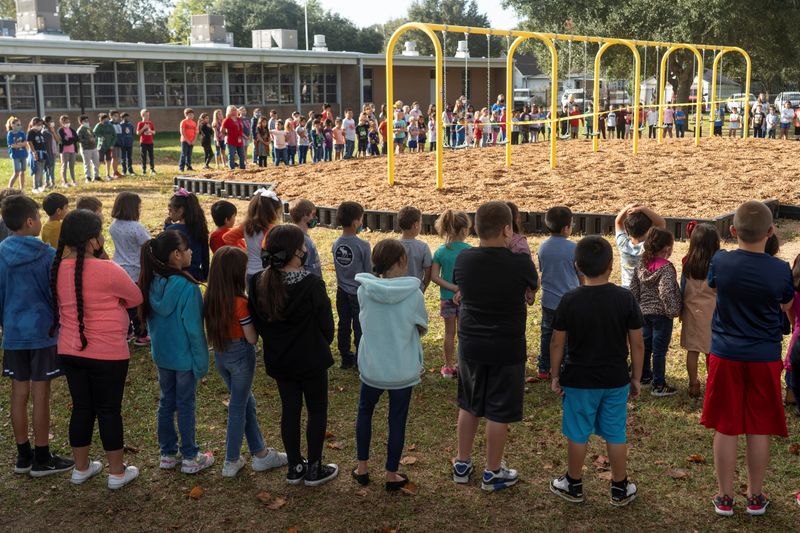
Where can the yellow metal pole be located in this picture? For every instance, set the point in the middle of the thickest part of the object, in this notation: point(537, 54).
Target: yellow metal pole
point(746, 113)
point(637, 65)
point(596, 116)
point(713, 99)
point(698, 108)
point(661, 96)
point(425, 28)
point(553, 89)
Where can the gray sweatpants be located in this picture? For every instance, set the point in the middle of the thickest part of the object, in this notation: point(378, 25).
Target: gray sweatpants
point(91, 158)
point(67, 161)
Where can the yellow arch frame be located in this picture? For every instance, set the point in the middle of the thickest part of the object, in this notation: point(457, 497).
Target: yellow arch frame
point(662, 78)
point(637, 66)
point(713, 99)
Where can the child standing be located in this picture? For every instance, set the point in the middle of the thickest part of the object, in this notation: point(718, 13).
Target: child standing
point(291, 308)
point(743, 394)
point(279, 146)
point(557, 266)
point(51, 141)
point(233, 337)
point(56, 205)
point(349, 127)
point(772, 120)
point(188, 129)
point(128, 235)
point(223, 213)
point(69, 139)
point(611, 122)
point(351, 256)
point(186, 215)
point(338, 140)
point(394, 316)
point(399, 127)
point(291, 142)
point(655, 287)
point(302, 144)
point(600, 324)
point(699, 300)
point(16, 140)
point(37, 153)
point(29, 347)
point(206, 138)
point(304, 215)
point(418, 254)
point(453, 227)
point(787, 117)
point(374, 140)
point(88, 143)
point(125, 140)
point(90, 296)
point(219, 138)
point(719, 120)
point(630, 227)
point(519, 242)
point(362, 135)
point(262, 214)
point(734, 123)
point(173, 311)
point(491, 337)
point(106, 137)
point(262, 139)
point(317, 137)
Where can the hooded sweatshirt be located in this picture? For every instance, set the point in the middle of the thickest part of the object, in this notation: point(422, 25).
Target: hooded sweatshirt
point(655, 287)
point(175, 323)
point(298, 346)
point(26, 305)
point(390, 352)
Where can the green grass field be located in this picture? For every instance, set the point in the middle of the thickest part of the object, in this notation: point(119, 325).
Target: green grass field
point(663, 434)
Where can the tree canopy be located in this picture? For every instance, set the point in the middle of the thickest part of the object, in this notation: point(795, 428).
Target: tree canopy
point(117, 20)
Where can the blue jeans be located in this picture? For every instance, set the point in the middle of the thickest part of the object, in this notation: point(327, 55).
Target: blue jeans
point(657, 333)
point(281, 156)
point(547, 334)
point(186, 156)
point(302, 154)
point(399, 401)
point(327, 153)
point(290, 154)
point(318, 154)
point(233, 153)
point(348, 309)
point(237, 365)
point(349, 146)
point(177, 394)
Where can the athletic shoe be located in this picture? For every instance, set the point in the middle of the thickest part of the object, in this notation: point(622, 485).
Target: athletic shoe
point(24, 464)
point(319, 474)
point(273, 459)
point(797, 498)
point(142, 341)
point(190, 169)
point(117, 482)
point(297, 473)
point(462, 471)
point(55, 465)
point(660, 391)
point(231, 468)
point(502, 479)
point(757, 504)
point(201, 461)
point(168, 462)
point(153, 171)
point(622, 494)
point(572, 492)
point(448, 372)
point(78, 477)
point(646, 381)
point(723, 505)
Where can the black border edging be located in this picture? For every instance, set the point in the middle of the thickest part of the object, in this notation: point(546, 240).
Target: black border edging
point(242, 190)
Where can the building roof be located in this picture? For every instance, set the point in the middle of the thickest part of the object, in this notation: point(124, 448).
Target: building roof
point(527, 65)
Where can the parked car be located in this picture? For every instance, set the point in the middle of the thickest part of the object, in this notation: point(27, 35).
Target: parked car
point(737, 100)
point(792, 96)
point(573, 96)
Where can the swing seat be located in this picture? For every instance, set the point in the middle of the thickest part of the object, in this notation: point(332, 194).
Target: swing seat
point(459, 146)
point(565, 136)
point(500, 143)
point(642, 128)
point(595, 134)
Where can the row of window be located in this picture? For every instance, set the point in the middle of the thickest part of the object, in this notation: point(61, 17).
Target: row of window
point(168, 84)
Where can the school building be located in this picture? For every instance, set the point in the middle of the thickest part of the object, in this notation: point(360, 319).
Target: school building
point(47, 73)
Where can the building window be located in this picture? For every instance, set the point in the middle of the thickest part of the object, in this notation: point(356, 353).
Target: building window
point(127, 84)
point(176, 83)
point(154, 83)
point(195, 94)
point(213, 74)
point(21, 88)
point(55, 87)
point(254, 84)
point(366, 89)
point(272, 87)
point(287, 84)
point(318, 84)
point(236, 81)
point(105, 93)
point(3, 89)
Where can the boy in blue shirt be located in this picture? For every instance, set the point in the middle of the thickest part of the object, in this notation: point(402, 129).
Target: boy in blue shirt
point(16, 140)
point(557, 265)
point(351, 256)
point(680, 122)
point(29, 342)
point(719, 120)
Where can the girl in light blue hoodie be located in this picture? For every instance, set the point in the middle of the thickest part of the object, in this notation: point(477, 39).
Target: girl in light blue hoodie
point(393, 317)
point(173, 310)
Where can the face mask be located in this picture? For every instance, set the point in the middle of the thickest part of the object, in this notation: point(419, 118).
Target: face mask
point(313, 223)
point(303, 258)
point(257, 115)
point(86, 124)
point(67, 124)
point(17, 127)
point(360, 229)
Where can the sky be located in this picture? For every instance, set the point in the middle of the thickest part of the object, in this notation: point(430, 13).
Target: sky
point(379, 11)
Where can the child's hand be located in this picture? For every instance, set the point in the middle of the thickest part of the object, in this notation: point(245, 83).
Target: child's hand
point(530, 296)
point(555, 386)
point(457, 297)
point(636, 388)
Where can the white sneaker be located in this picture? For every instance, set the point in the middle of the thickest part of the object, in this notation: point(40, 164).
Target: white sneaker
point(273, 459)
point(80, 477)
point(200, 462)
point(117, 482)
point(231, 468)
point(168, 462)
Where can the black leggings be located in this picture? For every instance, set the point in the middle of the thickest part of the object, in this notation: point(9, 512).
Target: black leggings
point(96, 387)
point(315, 391)
point(147, 150)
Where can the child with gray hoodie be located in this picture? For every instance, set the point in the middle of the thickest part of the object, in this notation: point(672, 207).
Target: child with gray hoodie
point(393, 317)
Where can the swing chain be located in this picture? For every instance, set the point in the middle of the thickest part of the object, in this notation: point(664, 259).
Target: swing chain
point(444, 73)
point(466, 72)
point(488, 70)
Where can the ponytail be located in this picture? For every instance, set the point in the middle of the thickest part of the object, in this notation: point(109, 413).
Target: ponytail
point(155, 261)
point(283, 243)
point(451, 223)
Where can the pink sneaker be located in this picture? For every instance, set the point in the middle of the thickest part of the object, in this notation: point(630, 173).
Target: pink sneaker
point(142, 341)
point(448, 372)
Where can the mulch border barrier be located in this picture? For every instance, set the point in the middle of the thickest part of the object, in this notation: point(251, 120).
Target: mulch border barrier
point(532, 221)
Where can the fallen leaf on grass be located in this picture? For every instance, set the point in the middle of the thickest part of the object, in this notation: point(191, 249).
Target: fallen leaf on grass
point(432, 370)
point(386, 530)
point(412, 447)
point(292, 530)
point(130, 449)
point(679, 473)
point(276, 504)
point(605, 476)
point(334, 445)
point(696, 459)
point(601, 462)
point(409, 489)
point(328, 435)
point(794, 448)
point(196, 493)
point(226, 402)
point(362, 493)
point(448, 449)
point(264, 496)
point(340, 389)
point(408, 460)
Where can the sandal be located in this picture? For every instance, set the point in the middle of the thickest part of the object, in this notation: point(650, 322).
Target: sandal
point(362, 479)
point(394, 486)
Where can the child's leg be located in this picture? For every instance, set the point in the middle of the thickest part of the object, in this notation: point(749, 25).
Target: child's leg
point(20, 392)
point(467, 427)
point(757, 462)
point(81, 420)
point(725, 461)
point(576, 457)
point(167, 404)
point(107, 380)
point(291, 395)
point(618, 457)
point(40, 393)
point(185, 394)
point(315, 392)
point(691, 366)
point(496, 434)
point(661, 335)
point(647, 333)
point(366, 407)
point(344, 328)
point(547, 335)
point(450, 327)
point(399, 401)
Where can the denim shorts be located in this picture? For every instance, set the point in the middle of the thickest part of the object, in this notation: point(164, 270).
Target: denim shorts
point(603, 412)
point(338, 148)
point(19, 164)
point(448, 309)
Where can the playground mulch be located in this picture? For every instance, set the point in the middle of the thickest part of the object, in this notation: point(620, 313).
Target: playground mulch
point(675, 178)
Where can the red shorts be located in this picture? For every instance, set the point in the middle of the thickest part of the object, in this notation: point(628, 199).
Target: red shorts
point(744, 398)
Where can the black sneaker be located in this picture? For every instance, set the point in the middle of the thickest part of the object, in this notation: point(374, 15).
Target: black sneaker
point(297, 473)
point(319, 474)
point(622, 493)
point(348, 362)
point(572, 492)
point(55, 465)
point(661, 391)
point(24, 464)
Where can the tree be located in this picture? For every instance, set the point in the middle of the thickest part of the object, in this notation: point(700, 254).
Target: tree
point(7, 9)
point(115, 20)
point(179, 22)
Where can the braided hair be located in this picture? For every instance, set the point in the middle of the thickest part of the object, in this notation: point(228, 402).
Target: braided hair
point(155, 261)
point(283, 243)
point(78, 228)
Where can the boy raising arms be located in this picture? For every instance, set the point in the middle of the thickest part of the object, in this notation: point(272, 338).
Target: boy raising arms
point(494, 286)
point(598, 322)
point(743, 392)
point(29, 345)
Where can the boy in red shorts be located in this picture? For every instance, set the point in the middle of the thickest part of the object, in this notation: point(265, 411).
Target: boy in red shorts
point(743, 393)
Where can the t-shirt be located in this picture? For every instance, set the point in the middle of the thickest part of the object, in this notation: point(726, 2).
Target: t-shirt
point(338, 135)
point(36, 138)
point(772, 121)
point(12, 138)
point(629, 254)
point(493, 312)
point(145, 138)
point(597, 320)
point(234, 135)
point(758, 118)
point(668, 116)
point(399, 129)
point(241, 317)
point(419, 257)
point(51, 231)
point(719, 117)
point(362, 130)
point(680, 117)
point(217, 239)
point(787, 115)
point(189, 130)
point(349, 127)
point(351, 256)
point(750, 290)
point(445, 257)
point(128, 237)
point(733, 121)
point(382, 129)
point(313, 263)
point(612, 120)
point(557, 265)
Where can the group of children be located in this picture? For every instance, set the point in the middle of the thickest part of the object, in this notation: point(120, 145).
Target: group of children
point(600, 343)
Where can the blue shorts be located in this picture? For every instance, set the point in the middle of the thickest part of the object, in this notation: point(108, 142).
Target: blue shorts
point(785, 125)
point(603, 412)
point(412, 144)
point(19, 164)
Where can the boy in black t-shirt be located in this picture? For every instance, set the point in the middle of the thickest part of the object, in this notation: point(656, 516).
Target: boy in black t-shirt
point(494, 286)
point(598, 322)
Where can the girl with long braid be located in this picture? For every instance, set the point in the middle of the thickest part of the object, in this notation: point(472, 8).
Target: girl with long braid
point(92, 345)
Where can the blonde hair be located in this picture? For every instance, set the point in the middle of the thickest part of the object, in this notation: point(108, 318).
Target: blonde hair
point(11, 120)
point(451, 224)
point(231, 108)
point(218, 117)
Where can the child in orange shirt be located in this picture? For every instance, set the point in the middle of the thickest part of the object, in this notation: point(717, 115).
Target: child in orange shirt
point(188, 134)
point(223, 213)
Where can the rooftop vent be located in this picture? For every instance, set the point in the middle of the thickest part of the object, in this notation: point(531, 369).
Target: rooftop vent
point(38, 19)
point(463, 49)
point(281, 39)
point(8, 28)
point(410, 48)
point(209, 30)
point(319, 44)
